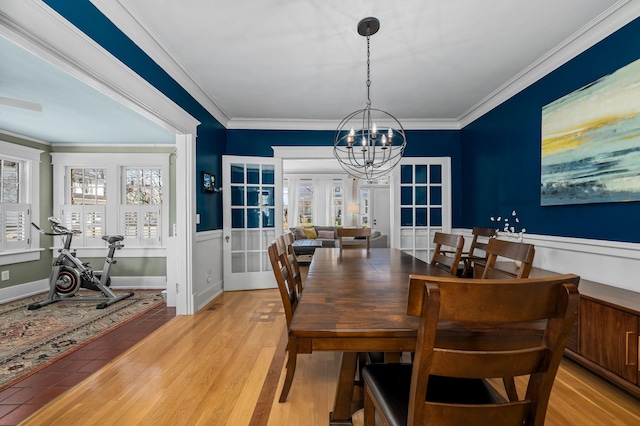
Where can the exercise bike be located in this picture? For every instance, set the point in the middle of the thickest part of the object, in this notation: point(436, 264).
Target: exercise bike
point(69, 274)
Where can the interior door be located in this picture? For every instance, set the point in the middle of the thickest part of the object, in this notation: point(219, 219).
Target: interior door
point(381, 210)
point(421, 204)
point(252, 218)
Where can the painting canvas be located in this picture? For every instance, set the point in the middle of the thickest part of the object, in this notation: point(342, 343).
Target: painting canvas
point(591, 142)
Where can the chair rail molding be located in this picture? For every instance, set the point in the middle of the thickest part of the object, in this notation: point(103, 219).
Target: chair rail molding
point(612, 263)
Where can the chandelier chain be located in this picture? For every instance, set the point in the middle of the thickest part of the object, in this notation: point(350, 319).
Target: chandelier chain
point(368, 73)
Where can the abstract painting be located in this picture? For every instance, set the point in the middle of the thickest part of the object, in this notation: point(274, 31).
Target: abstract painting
point(591, 142)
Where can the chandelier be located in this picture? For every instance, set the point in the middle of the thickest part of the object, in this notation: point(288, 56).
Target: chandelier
point(369, 142)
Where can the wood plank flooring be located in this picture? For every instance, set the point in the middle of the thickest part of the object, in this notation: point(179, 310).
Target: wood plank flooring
point(223, 366)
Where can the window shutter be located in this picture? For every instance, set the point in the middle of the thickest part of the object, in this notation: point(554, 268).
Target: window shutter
point(16, 222)
point(140, 225)
point(90, 220)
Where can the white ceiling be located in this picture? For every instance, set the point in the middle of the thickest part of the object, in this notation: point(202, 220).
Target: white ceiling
point(302, 64)
point(72, 112)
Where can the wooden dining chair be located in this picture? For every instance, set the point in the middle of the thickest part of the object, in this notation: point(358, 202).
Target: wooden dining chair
point(360, 239)
point(518, 252)
point(288, 294)
point(477, 249)
point(447, 252)
point(289, 238)
point(449, 382)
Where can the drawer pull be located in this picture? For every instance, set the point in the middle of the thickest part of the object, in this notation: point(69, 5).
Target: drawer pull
point(626, 348)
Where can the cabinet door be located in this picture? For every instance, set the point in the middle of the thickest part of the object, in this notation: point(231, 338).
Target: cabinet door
point(609, 337)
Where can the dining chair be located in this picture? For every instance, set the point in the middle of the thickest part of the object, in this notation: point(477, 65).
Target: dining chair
point(288, 294)
point(293, 260)
point(477, 249)
point(471, 331)
point(447, 252)
point(360, 239)
point(520, 254)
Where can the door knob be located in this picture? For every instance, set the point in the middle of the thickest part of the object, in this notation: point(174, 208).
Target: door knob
point(226, 238)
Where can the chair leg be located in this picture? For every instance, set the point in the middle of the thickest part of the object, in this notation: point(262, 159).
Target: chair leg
point(291, 369)
point(510, 387)
point(369, 409)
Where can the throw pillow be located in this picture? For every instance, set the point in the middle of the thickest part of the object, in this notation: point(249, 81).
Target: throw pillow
point(298, 232)
point(327, 235)
point(310, 233)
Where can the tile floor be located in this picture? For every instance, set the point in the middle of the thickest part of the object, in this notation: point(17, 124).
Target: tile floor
point(27, 396)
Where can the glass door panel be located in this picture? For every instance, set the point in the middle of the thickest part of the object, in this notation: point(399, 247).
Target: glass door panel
point(252, 218)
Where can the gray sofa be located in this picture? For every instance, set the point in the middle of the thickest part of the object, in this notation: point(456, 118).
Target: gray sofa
point(328, 235)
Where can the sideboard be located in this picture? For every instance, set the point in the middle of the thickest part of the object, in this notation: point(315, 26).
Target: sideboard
point(606, 335)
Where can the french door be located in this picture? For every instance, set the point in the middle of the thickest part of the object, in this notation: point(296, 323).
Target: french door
point(252, 218)
point(421, 204)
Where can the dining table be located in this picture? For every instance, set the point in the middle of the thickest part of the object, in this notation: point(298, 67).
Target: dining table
point(355, 302)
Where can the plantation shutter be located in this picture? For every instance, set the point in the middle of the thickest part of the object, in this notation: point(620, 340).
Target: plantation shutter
point(88, 219)
point(141, 225)
point(16, 222)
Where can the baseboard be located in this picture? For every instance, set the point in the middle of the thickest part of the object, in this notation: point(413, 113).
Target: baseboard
point(19, 291)
point(143, 283)
point(202, 299)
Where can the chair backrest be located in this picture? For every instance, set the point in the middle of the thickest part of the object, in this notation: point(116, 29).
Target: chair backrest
point(294, 269)
point(485, 308)
point(287, 289)
point(520, 252)
point(481, 237)
point(447, 251)
point(361, 238)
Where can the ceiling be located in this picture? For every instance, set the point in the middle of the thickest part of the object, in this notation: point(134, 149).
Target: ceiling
point(302, 64)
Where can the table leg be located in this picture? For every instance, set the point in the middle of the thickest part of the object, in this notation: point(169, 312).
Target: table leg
point(344, 392)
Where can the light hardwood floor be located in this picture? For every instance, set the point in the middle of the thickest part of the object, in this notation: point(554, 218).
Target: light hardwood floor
point(222, 367)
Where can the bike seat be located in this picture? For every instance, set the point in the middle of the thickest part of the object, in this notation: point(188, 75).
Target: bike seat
point(113, 238)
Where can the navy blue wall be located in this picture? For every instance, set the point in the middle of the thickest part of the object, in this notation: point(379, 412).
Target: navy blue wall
point(211, 134)
point(501, 154)
point(425, 143)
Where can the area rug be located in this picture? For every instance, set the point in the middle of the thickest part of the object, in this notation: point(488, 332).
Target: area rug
point(31, 340)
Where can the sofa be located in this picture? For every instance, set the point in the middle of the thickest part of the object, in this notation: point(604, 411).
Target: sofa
point(328, 235)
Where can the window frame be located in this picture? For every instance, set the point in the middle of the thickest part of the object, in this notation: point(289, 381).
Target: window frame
point(115, 163)
point(29, 193)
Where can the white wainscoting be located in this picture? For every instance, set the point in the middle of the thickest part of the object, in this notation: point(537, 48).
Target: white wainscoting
point(208, 275)
point(608, 262)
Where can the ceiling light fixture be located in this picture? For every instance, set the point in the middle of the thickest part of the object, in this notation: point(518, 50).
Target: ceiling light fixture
point(369, 142)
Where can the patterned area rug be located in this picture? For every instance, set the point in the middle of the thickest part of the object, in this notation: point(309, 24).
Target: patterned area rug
point(31, 340)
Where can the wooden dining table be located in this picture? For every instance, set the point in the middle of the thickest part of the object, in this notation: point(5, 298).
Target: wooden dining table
point(355, 302)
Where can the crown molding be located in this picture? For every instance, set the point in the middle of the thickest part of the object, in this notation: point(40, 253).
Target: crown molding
point(36, 27)
point(124, 16)
point(610, 21)
point(291, 124)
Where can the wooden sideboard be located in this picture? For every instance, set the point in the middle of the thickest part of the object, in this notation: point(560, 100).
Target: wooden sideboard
point(606, 335)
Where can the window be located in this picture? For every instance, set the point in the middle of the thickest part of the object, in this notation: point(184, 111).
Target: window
point(141, 206)
point(337, 204)
point(285, 204)
point(19, 201)
point(87, 210)
point(305, 202)
point(109, 194)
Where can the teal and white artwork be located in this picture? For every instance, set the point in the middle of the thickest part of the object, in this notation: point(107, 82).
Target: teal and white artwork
point(591, 142)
